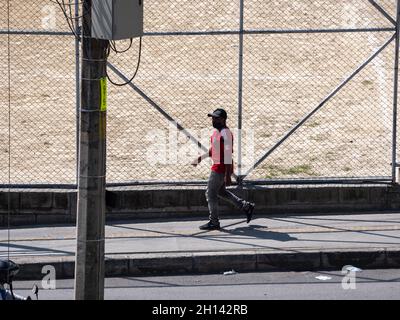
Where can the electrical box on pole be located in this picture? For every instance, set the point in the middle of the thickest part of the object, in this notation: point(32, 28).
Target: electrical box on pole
point(117, 19)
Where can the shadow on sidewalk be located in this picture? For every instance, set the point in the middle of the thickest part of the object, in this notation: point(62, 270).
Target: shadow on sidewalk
point(260, 232)
point(30, 250)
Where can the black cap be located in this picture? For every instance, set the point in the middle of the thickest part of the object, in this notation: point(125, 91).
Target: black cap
point(219, 113)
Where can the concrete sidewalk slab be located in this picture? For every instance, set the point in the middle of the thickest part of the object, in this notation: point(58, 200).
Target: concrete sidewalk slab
point(270, 243)
point(22, 207)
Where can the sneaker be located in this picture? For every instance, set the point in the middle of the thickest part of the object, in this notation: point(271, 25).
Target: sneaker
point(210, 226)
point(248, 209)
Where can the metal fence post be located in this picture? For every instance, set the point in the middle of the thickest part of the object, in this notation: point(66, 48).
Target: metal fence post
point(240, 92)
point(77, 85)
point(395, 96)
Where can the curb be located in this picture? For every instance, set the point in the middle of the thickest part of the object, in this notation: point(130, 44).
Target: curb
point(158, 264)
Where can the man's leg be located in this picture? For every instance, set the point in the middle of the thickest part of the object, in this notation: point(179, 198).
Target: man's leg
point(215, 182)
point(239, 203)
point(230, 197)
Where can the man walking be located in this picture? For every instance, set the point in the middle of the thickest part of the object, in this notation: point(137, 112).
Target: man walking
point(221, 171)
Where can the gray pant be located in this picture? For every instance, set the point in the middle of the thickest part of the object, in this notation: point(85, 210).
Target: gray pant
point(216, 189)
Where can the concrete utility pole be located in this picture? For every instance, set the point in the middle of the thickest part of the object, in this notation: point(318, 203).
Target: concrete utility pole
point(89, 264)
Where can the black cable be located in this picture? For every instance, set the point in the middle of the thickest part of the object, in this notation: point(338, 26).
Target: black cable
point(111, 46)
point(70, 20)
point(70, 13)
point(137, 66)
point(114, 46)
point(70, 5)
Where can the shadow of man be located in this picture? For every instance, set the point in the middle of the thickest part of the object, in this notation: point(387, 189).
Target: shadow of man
point(260, 232)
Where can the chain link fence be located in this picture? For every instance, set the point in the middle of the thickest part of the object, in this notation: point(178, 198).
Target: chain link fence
point(40, 143)
point(277, 67)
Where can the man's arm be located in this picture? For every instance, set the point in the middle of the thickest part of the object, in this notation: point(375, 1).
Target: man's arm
point(201, 158)
point(227, 140)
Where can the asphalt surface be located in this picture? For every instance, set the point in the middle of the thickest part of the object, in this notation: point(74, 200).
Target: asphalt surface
point(321, 285)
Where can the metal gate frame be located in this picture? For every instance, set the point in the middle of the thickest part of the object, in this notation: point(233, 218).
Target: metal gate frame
point(241, 176)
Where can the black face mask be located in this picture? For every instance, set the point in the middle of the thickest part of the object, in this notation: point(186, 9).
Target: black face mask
point(218, 126)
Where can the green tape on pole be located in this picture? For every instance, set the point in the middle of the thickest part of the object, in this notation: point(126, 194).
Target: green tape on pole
point(103, 94)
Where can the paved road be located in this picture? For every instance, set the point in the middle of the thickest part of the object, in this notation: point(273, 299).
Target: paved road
point(370, 284)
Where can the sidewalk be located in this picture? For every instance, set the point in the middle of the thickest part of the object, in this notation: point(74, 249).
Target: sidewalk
point(268, 243)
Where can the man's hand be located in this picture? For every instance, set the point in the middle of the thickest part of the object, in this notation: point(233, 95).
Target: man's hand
point(228, 174)
point(196, 162)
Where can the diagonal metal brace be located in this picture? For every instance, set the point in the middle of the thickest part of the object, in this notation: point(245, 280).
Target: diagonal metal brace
point(161, 110)
point(382, 11)
point(330, 96)
point(158, 108)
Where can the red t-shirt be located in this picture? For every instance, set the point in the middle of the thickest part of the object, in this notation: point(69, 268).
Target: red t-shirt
point(221, 149)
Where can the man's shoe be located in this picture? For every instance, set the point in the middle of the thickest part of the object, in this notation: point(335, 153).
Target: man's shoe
point(248, 209)
point(210, 226)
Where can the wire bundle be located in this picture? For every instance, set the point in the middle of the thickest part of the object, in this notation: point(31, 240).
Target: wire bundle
point(73, 24)
point(73, 21)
